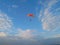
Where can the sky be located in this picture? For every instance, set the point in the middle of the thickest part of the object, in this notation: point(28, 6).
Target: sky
point(15, 25)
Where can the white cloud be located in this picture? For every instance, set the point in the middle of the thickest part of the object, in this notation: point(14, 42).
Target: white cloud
point(50, 21)
point(5, 22)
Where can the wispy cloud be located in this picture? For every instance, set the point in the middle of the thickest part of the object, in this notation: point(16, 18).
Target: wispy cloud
point(50, 20)
point(56, 36)
point(15, 6)
point(5, 22)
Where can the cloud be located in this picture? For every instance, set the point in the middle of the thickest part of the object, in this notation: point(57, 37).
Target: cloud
point(49, 15)
point(56, 36)
point(14, 6)
point(5, 22)
point(2, 34)
point(22, 37)
point(25, 34)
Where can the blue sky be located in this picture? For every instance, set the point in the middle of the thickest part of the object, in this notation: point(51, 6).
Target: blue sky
point(15, 22)
point(19, 12)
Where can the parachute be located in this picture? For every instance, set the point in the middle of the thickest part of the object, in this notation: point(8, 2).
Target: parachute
point(31, 16)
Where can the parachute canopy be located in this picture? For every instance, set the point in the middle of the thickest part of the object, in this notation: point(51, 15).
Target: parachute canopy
point(30, 15)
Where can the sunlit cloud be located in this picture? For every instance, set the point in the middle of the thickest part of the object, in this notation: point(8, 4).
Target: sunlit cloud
point(2, 34)
point(25, 34)
point(49, 19)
